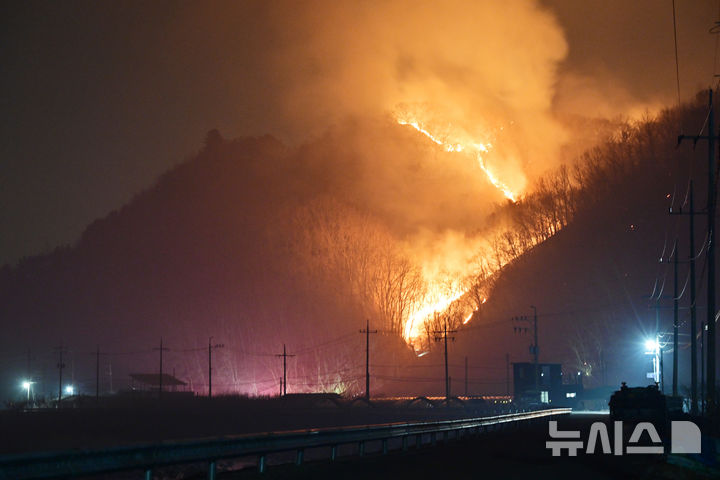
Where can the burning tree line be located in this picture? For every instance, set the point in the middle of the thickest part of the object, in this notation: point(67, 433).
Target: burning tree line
point(347, 251)
point(346, 243)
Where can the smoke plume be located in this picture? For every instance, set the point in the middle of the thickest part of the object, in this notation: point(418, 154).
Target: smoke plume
point(482, 70)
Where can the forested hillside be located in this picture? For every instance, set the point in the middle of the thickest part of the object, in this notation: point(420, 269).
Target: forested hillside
point(259, 244)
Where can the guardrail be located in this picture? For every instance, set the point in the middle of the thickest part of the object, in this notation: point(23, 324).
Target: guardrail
point(148, 457)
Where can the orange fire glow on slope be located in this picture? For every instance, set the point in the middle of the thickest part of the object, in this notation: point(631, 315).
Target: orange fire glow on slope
point(476, 148)
point(439, 298)
point(436, 303)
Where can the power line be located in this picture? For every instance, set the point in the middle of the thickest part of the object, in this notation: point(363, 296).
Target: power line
point(343, 338)
point(677, 63)
point(334, 372)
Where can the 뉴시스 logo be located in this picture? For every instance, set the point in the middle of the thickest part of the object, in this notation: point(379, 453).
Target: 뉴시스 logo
point(684, 438)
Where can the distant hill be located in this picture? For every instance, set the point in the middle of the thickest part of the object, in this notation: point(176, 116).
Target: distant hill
point(234, 243)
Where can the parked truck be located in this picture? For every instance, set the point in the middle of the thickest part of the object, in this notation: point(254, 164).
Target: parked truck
point(644, 404)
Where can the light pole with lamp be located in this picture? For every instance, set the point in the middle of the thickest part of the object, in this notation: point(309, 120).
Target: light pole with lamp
point(27, 385)
point(652, 347)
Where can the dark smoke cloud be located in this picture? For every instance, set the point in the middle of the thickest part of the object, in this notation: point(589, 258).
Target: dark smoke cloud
point(621, 58)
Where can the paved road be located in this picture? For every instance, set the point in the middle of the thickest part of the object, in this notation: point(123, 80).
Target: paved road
point(517, 454)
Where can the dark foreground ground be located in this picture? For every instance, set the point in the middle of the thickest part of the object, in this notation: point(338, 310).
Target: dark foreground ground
point(510, 454)
point(518, 452)
point(151, 421)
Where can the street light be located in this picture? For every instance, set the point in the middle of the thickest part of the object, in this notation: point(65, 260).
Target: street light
point(70, 390)
point(27, 385)
point(652, 347)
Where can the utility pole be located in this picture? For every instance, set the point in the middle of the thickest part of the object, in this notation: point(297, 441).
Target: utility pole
point(210, 349)
point(710, 137)
point(466, 377)
point(660, 336)
point(662, 370)
point(29, 375)
point(711, 260)
point(284, 355)
point(507, 374)
point(444, 338)
point(535, 348)
point(657, 339)
point(97, 375)
point(160, 378)
point(693, 300)
point(702, 368)
point(60, 366)
point(693, 320)
point(367, 333)
point(675, 320)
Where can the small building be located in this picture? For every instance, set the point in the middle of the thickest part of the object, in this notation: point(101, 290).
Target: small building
point(152, 382)
point(550, 388)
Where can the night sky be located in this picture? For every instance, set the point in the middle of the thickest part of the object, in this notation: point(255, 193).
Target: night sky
point(99, 98)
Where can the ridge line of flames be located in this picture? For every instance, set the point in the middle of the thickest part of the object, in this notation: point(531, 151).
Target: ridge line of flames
point(458, 147)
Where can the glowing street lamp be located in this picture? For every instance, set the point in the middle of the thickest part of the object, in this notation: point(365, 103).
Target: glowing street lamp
point(652, 347)
point(27, 385)
point(70, 390)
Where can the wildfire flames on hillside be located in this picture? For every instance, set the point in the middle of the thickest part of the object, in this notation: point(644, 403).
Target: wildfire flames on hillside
point(441, 293)
point(438, 297)
point(443, 71)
